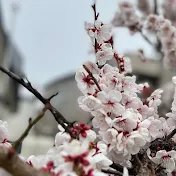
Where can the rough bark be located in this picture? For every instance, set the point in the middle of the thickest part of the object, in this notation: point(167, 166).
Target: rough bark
point(11, 163)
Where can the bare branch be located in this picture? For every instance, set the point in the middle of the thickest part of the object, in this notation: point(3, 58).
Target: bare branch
point(156, 46)
point(173, 132)
point(95, 18)
point(117, 173)
point(29, 127)
point(57, 115)
point(138, 160)
point(145, 37)
point(11, 163)
point(117, 167)
point(52, 96)
point(155, 7)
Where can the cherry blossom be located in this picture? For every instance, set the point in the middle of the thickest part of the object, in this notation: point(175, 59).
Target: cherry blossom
point(126, 122)
point(101, 32)
point(125, 172)
point(61, 138)
point(123, 124)
point(101, 120)
point(166, 33)
point(104, 53)
point(84, 81)
point(169, 10)
point(4, 136)
point(126, 16)
point(166, 159)
point(144, 6)
point(89, 103)
point(111, 100)
point(172, 115)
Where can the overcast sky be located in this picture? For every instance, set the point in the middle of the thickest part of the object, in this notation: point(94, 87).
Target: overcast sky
point(51, 37)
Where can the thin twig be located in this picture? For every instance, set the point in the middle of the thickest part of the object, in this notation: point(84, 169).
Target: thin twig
point(52, 96)
point(91, 75)
point(152, 169)
point(156, 46)
point(117, 167)
point(117, 173)
point(155, 11)
point(173, 132)
point(155, 7)
point(29, 127)
point(145, 37)
point(138, 160)
point(95, 18)
point(57, 115)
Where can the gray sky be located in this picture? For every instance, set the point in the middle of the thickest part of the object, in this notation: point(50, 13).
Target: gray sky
point(50, 34)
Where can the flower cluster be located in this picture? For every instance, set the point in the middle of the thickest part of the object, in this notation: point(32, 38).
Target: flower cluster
point(165, 158)
point(73, 157)
point(169, 7)
point(127, 16)
point(166, 33)
point(125, 122)
point(144, 6)
point(162, 25)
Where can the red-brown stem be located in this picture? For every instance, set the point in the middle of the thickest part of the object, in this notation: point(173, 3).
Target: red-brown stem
point(93, 78)
point(95, 18)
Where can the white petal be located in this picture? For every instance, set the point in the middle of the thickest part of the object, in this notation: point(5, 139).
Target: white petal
point(169, 164)
point(125, 172)
point(116, 95)
point(97, 24)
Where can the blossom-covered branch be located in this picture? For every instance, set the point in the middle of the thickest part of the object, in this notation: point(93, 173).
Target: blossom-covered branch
point(130, 137)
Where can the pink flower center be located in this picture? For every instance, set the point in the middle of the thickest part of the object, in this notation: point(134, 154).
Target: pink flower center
point(80, 130)
point(78, 159)
point(166, 157)
point(110, 103)
point(5, 140)
point(87, 79)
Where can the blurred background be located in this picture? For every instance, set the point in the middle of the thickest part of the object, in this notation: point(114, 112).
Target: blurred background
point(45, 41)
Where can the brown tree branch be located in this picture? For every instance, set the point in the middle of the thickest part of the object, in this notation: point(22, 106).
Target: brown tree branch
point(138, 160)
point(95, 18)
point(52, 96)
point(117, 167)
point(93, 78)
point(173, 132)
point(145, 37)
point(156, 46)
point(25, 83)
point(117, 173)
point(29, 127)
point(11, 163)
point(155, 7)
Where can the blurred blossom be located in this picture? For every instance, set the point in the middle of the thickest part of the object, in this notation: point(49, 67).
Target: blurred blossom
point(144, 6)
point(169, 8)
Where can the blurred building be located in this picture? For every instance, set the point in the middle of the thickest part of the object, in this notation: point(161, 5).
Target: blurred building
point(152, 71)
point(11, 59)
